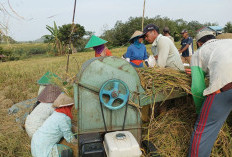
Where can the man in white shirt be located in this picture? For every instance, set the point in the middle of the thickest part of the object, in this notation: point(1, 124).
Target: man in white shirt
point(163, 48)
point(213, 103)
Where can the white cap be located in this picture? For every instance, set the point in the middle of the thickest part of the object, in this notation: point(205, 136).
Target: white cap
point(202, 34)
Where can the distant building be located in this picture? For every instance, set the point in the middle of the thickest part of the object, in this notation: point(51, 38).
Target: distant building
point(215, 29)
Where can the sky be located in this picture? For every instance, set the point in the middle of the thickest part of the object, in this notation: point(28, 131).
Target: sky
point(98, 15)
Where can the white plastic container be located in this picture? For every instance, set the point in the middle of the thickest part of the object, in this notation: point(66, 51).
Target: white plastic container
point(121, 144)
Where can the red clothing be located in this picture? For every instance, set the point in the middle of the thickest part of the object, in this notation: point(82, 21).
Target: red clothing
point(107, 51)
point(66, 110)
point(137, 62)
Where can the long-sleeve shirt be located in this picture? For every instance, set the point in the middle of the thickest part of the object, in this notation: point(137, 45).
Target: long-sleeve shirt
point(168, 55)
point(37, 117)
point(58, 125)
point(106, 52)
point(135, 53)
point(213, 59)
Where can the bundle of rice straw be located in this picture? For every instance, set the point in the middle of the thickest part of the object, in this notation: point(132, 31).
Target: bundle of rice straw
point(165, 80)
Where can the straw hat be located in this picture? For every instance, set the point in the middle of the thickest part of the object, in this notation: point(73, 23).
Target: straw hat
point(136, 34)
point(63, 100)
point(95, 41)
point(49, 94)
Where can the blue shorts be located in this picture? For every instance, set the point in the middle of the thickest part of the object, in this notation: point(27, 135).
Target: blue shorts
point(185, 54)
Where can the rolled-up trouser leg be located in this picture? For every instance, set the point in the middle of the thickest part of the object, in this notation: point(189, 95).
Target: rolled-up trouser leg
point(214, 112)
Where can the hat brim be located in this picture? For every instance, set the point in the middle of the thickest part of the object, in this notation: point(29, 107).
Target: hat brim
point(66, 105)
point(95, 41)
point(63, 105)
point(135, 37)
point(143, 35)
point(209, 35)
point(95, 45)
point(183, 32)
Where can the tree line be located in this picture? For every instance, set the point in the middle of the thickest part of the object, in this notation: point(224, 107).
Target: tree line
point(74, 37)
point(122, 31)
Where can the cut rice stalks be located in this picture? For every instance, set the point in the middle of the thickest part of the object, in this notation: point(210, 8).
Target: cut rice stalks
point(165, 80)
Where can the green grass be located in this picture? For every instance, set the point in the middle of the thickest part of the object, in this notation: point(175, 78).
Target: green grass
point(26, 50)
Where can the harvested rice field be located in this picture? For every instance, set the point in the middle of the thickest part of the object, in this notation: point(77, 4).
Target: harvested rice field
point(169, 127)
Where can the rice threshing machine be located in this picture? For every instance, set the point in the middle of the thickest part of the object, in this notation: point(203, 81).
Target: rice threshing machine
point(107, 124)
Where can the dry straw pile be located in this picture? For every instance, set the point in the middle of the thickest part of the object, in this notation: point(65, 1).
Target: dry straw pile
point(170, 131)
point(165, 80)
point(224, 36)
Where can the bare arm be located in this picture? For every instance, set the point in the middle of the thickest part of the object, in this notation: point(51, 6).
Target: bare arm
point(185, 48)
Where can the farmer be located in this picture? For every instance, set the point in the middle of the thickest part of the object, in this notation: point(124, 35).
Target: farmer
point(162, 48)
point(214, 103)
point(186, 49)
point(98, 45)
point(166, 32)
point(43, 110)
point(58, 125)
point(136, 52)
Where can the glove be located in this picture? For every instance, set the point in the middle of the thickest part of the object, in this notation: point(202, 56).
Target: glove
point(128, 60)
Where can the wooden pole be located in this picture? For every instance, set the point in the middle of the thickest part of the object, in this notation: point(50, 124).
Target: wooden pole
point(70, 48)
point(143, 13)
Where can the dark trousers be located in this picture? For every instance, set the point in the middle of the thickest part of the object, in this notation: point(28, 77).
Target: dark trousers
point(214, 112)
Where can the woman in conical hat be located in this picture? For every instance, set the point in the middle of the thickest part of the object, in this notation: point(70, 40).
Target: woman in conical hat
point(45, 140)
point(43, 110)
point(136, 52)
point(98, 45)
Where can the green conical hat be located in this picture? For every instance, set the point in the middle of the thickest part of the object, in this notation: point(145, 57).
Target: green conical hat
point(47, 78)
point(95, 41)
